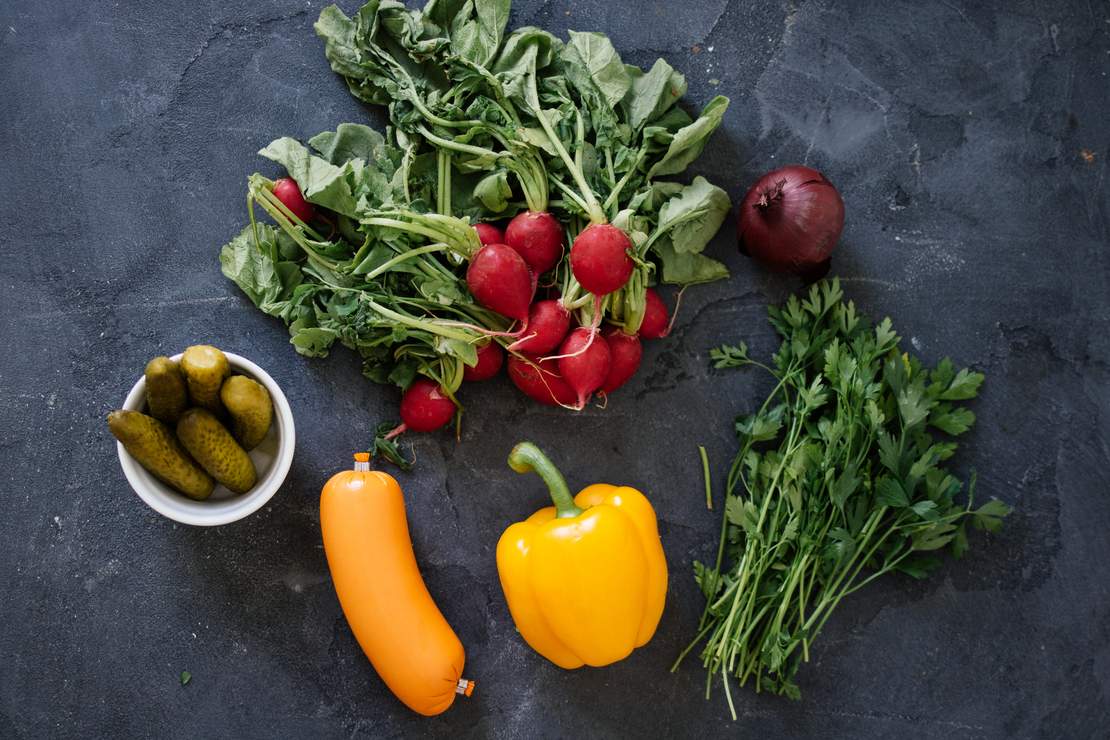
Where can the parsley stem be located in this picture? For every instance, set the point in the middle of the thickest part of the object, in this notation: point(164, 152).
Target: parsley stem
point(705, 473)
point(686, 651)
point(728, 694)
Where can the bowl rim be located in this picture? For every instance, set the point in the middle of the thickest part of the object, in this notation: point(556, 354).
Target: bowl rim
point(182, 509)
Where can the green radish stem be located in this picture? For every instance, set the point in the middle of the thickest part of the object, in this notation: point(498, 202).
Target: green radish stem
point(403, 257)
point(611, 201)
point(443, 143)
point(456, 233)
point(520, 160)
point(259, 193)
point(435, 326)
point(532, 176)
point(443, 185)
point(569, 192)
point(589, 200)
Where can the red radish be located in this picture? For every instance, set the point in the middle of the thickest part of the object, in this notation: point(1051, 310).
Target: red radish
point(624, 358)
point(790, 220)
point(600, 260)
point(548, 323)
point(539, 380)
point(500, 280)
point(584, 362)
point(490, 359)
point(489, 234)
point(289, 193)
point(424, 407)
point(538, 237)
point(656, 323)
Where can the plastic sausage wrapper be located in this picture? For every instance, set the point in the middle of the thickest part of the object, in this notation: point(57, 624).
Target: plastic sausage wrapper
point(389, 609)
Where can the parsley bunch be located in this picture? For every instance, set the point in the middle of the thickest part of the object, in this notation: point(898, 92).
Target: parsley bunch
point(839, 480)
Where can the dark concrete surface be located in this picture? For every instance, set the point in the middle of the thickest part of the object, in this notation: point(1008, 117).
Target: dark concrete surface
point(970, 143)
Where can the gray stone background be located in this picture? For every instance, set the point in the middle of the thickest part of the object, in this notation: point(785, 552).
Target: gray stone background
point(969, 141)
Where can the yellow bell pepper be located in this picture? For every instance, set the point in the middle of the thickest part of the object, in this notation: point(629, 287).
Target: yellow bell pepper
point(585, 579)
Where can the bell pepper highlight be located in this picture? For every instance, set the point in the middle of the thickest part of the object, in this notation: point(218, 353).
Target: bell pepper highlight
point(585, 579)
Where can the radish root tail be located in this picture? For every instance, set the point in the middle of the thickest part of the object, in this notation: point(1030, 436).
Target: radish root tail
point(484, 331)
point(674, 314)
point(542, 372)
point(593, 327)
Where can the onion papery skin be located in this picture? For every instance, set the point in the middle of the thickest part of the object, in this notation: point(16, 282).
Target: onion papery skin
point(791, 220)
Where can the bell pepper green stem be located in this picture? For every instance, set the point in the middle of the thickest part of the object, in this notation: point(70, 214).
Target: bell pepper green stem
point(527, 458)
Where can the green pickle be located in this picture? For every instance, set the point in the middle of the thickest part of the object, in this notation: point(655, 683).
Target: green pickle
point(166, 394)
point(250, 407)
point(211, 445)
point(154, 446)
point(205, 369)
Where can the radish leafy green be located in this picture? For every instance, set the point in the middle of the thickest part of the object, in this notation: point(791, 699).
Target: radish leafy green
point(564, 119)
point(483, 124)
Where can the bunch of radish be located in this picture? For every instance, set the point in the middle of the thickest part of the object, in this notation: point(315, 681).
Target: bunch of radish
point(390, 251)
point(550, 359)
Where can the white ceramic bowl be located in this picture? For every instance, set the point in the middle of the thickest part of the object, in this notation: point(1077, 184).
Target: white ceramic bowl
point(271, 458)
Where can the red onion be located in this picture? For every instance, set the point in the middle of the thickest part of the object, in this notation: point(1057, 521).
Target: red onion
point(791, 219)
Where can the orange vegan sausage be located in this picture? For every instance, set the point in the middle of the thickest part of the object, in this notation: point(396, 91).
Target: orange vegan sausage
point(395, 620)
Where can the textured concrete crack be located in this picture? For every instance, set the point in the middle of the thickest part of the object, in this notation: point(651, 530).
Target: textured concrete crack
point(231, 29)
